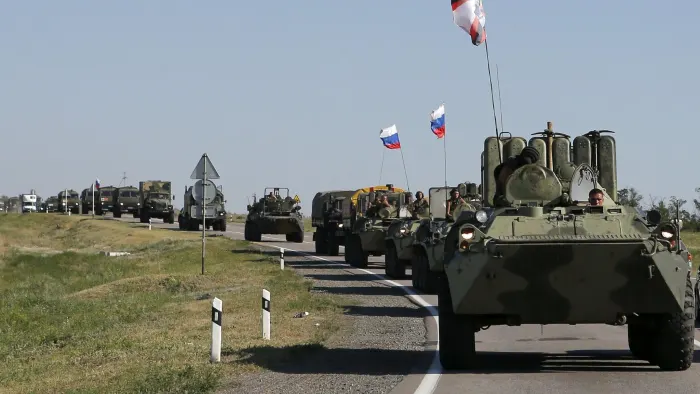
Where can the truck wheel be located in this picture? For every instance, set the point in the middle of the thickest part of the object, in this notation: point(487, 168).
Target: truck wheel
point(117, 214)
point(456, 332)
point(393, 267)
point(320, 241)
point(332, 244)
point(674, 342)
point(136, 214)
point(180, 223)
point(222, 225)
point(171, 218)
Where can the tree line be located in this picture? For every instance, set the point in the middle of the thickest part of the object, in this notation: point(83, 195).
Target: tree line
point(669, 207)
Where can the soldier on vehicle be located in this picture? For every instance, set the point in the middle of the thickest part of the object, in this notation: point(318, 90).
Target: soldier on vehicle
point(419, 206)
point(595, 197)
point(271, 197)
point(454, 201)
point(529, 155)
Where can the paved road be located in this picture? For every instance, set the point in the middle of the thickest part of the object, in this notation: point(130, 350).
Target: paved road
point(529, 359)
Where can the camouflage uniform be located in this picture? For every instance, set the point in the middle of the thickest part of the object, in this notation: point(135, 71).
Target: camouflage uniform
point(419, 207)
point(529, 155)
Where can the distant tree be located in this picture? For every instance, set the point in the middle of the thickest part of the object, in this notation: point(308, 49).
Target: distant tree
point(630, 197)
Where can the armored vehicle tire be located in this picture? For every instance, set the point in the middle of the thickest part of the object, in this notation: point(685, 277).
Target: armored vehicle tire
point(639, 341)
point(354, 254)
point(393, 266)
point(222, 225)
point(251, 232)
point(456, 332)
point(332, 244)
point(295, 237)
point(422, 278)
point(674, 345)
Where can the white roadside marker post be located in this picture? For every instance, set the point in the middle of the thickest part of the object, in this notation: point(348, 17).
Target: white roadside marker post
point(216, 312)
point(266, 314)
point(149, 223)
point(282, 259)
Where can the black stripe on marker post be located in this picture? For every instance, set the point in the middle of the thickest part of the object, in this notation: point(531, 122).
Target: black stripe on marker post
point(265, 304)
point(216, 316)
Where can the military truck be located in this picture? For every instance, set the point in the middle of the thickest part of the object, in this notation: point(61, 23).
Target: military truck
point(366, 226)
point(125, 199)
point(50, 205)
point(539, 254)
point(274, 214)
point(190, 217)
point(327, 219)
point(86, 200)
point(69, 199)
point(156, 201)
point(104, 199)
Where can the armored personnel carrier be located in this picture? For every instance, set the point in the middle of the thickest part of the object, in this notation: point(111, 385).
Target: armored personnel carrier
point(429, 240)
point(400, 237)
point(538, 253)
point(327, 219)
point(214, 216)
point(274, 214)
point(366, 225)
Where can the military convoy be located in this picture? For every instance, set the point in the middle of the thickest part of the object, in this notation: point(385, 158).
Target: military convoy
point(274, 214)
point(191, 217)
point(125, 199)
point(155, 201)
point(537, 253)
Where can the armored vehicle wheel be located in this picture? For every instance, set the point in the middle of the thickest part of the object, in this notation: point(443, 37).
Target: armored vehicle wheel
point(320, 241)
point(354, 255)
point(422, 277)
point(456, 332)
point(251, 233)
point(674, 345)
point(215, 226)
point(144, 217)
point(640, 340)
point(295, 237)
point(222, 225)
point(393, 266)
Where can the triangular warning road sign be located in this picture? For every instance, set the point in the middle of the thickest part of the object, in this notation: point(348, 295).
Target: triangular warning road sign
point(198, 172)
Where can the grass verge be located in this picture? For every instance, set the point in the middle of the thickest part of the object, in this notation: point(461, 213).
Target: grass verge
point(692, 241)
point(240, 218)
point(72, 320)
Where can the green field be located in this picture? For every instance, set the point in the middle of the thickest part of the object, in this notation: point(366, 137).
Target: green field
point(74, 320)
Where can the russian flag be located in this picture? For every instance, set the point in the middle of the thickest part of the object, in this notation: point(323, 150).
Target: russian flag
point(470, 16)
point(437, 121)
point(97, 183)
point(390, 137)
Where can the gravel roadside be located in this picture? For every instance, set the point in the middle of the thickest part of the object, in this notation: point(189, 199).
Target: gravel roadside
point(382, 341)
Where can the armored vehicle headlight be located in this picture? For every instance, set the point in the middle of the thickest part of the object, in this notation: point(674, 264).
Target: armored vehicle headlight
point(482, 216)
point(340, 225)
point(666, 234)
point(467, 233)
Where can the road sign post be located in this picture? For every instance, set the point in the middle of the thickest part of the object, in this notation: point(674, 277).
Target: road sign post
point(204, 170)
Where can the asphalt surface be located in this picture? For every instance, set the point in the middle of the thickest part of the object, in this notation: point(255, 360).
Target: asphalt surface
point(526, 359)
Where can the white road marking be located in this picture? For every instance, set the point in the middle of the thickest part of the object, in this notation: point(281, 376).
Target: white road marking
point(431, 377)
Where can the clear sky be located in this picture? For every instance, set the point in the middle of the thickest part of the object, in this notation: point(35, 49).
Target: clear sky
point(294, 94)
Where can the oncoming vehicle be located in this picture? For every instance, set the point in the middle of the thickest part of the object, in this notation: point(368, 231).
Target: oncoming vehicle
point(125, 199)
point(274, 214)
point(538, 253)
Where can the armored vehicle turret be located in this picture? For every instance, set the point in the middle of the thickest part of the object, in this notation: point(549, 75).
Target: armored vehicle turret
point(540, 252)
point(275, 214)
point(191, 216)
point(367, 219)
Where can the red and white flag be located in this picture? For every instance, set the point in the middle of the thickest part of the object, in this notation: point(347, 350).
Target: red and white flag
point(470, 16)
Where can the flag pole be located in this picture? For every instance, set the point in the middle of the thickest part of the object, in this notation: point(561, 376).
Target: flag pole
point(493, 103)
point(404, 170)
point(381, 168)
point(444, 146)
point(93, 199)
